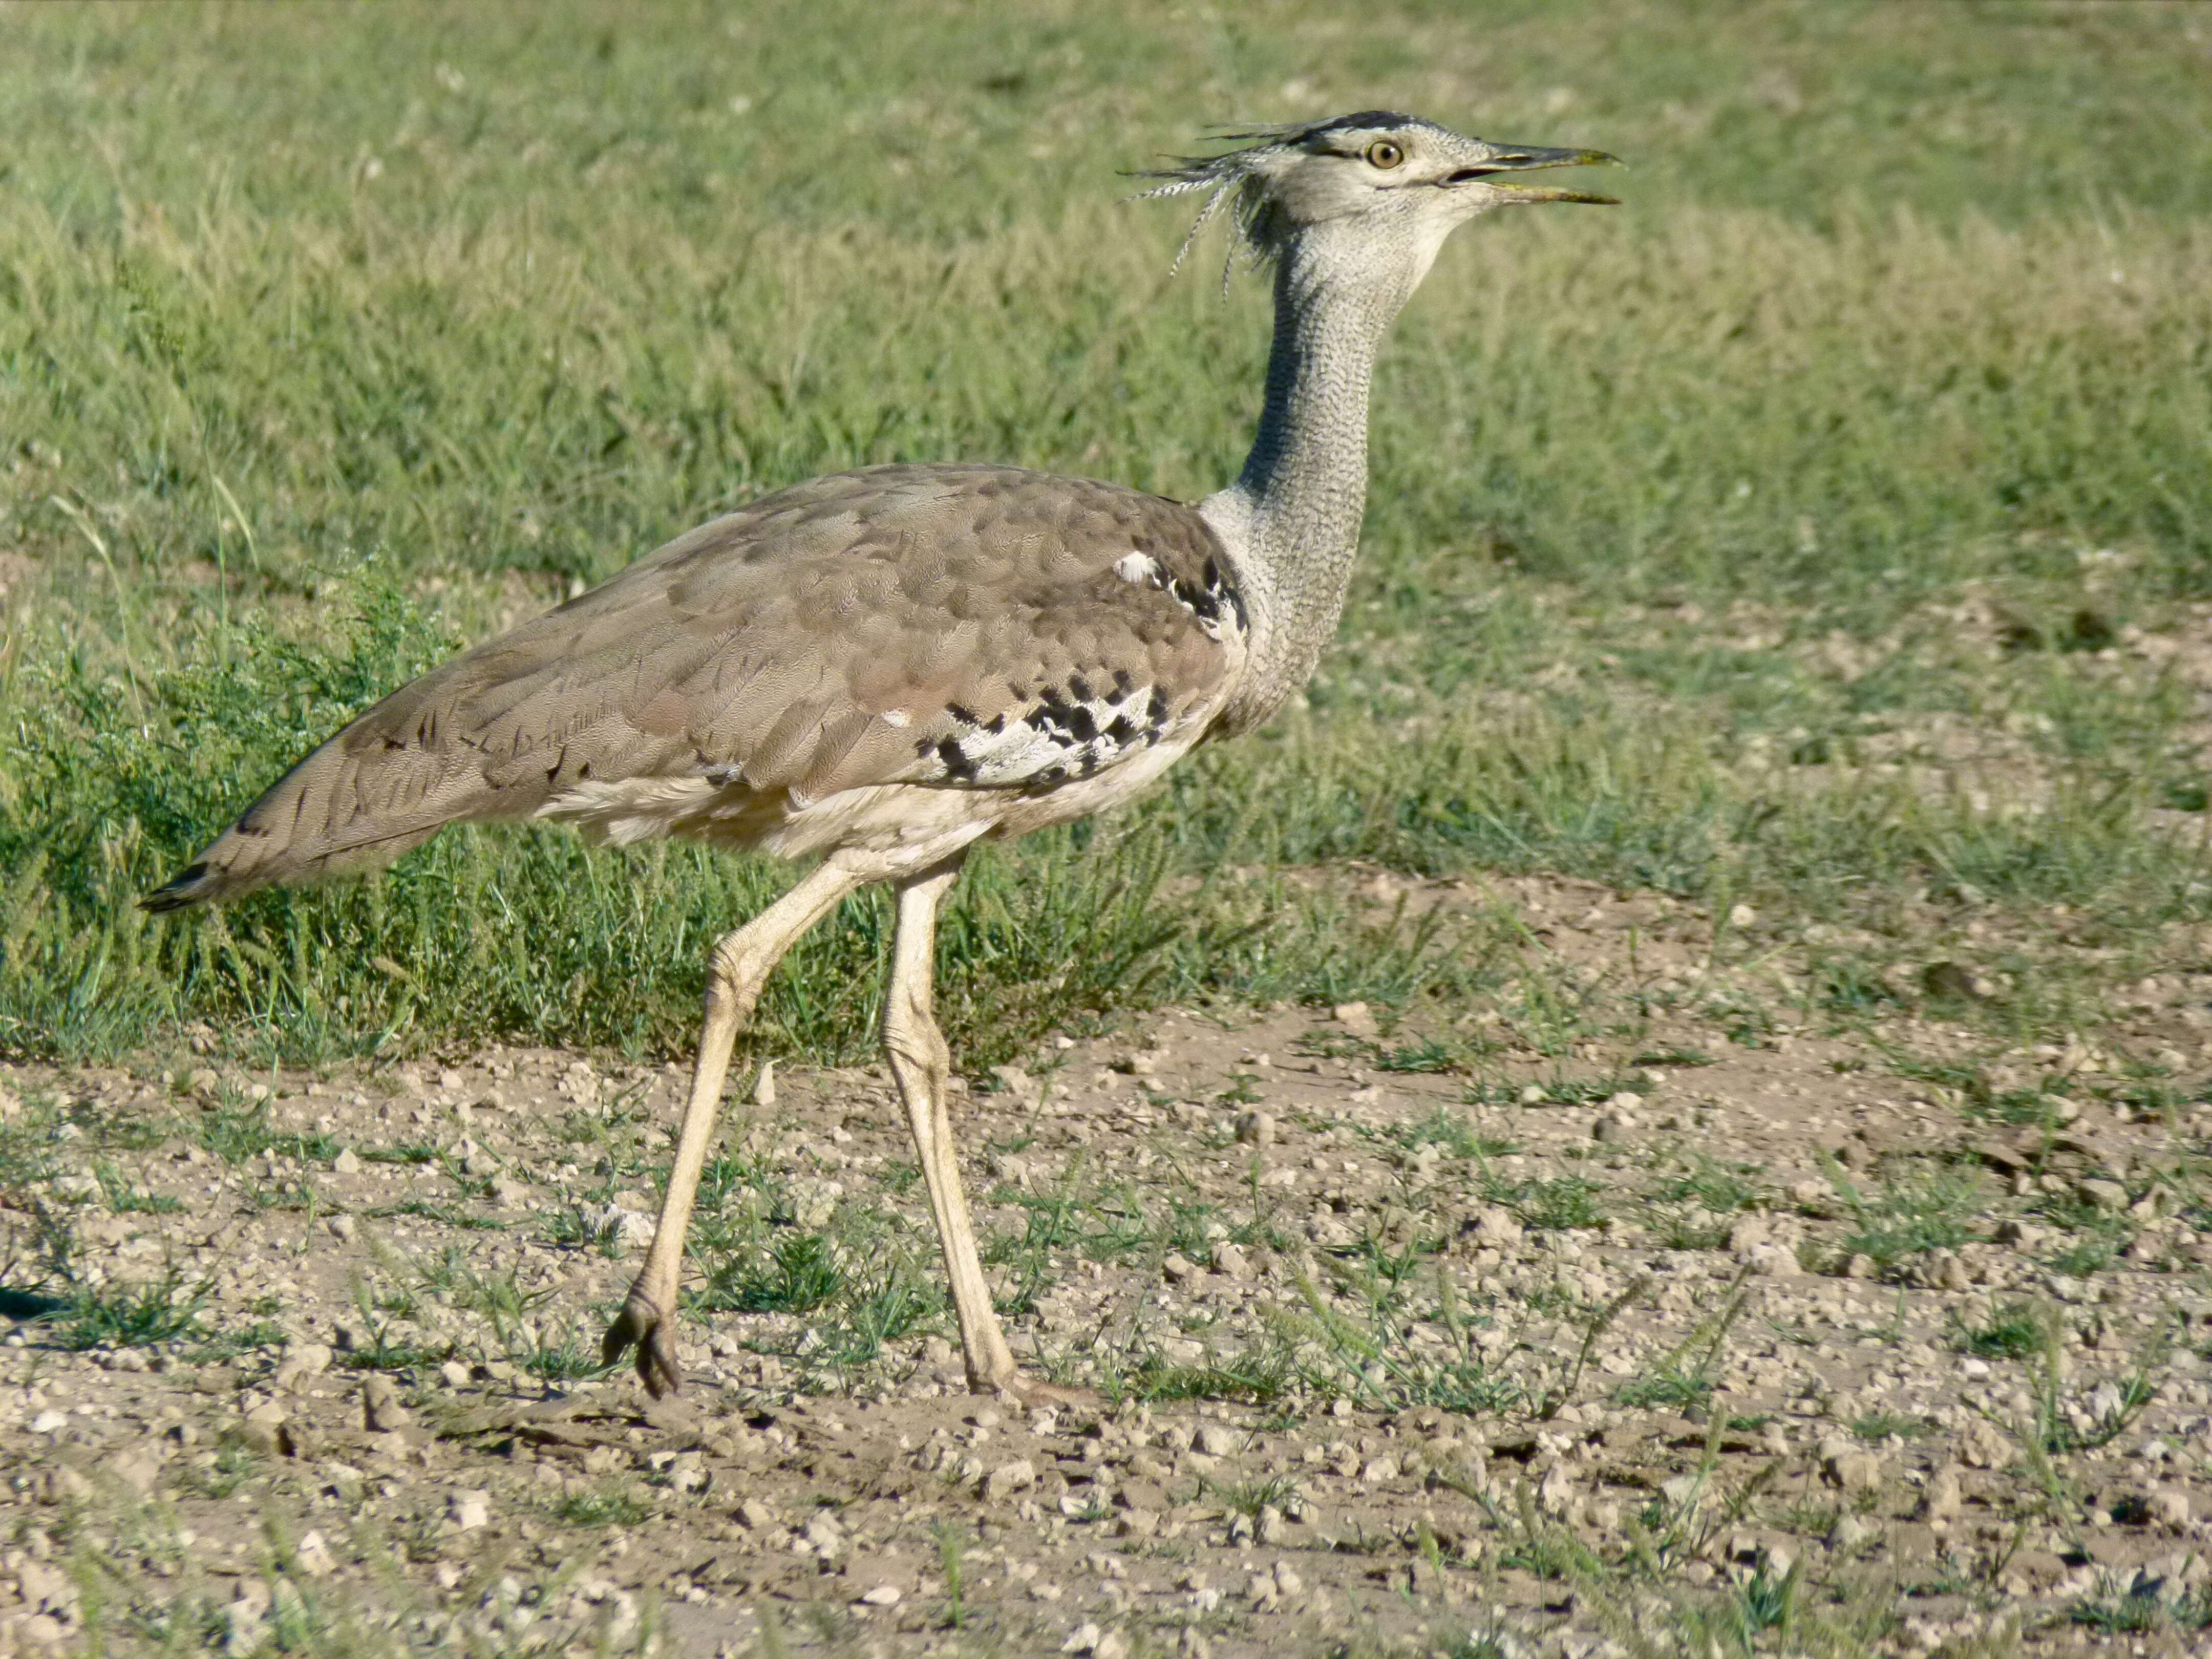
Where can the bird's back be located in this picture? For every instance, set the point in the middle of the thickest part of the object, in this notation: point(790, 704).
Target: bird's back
point(962, 628)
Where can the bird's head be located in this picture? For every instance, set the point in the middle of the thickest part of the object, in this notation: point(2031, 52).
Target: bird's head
point(1393, 185)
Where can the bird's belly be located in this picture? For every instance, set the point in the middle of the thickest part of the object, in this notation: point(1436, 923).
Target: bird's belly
point(898, 826)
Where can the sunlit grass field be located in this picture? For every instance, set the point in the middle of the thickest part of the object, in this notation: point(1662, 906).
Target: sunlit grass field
point(1777, 538)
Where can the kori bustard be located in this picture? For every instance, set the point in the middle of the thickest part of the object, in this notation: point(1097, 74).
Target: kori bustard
point(880, 668)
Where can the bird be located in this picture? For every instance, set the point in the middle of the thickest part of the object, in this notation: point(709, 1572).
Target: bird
point(876, 670)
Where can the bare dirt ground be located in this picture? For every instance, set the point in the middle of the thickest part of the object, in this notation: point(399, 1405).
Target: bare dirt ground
point(1691, 1318)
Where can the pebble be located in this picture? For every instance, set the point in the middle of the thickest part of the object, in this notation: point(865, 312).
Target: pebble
point(381, 1411)
point(1944, 1500)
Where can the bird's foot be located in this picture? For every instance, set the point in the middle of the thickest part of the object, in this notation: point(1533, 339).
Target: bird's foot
point(1034, 1391)
point(646, 1322)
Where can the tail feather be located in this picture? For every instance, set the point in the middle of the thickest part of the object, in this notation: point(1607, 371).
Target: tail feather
point(311, 827)
point(373, 792)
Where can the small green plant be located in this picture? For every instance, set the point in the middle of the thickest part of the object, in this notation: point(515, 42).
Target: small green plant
point(1450, 1131)
point(951, 1546)
point(1931, 1209)
point(1249, 1497)
point(1880, 1425)
point(797, 1273)
point(235, 1133)
point(123, 1315)
point(600, 1506)
point(2013, 1330)
point(1563, 1202)
point(1674, 1389)
point(125, 1197)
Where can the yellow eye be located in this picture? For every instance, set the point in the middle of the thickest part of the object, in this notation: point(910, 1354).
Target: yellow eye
point(1385, 154)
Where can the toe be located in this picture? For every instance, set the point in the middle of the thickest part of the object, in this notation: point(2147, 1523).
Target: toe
point(1035, 1391)
point(656, 1365)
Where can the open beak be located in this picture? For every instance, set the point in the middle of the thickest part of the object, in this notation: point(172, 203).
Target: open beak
point(1519, 158)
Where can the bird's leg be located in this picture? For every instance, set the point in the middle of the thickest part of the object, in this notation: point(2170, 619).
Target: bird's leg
point(922, 1067)
point(740, 966)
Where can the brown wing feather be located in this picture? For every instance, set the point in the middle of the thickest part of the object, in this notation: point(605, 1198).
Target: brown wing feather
point(965, 627)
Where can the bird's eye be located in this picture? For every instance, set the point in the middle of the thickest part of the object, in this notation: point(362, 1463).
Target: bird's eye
point(1385, 154)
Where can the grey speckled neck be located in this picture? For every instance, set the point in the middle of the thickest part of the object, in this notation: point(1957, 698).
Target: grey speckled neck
point(1291, 519)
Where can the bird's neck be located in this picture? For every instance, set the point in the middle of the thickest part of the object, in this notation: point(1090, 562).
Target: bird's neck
point(1291, 519)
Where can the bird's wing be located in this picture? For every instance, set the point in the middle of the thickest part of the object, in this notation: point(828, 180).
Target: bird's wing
point(958, 627)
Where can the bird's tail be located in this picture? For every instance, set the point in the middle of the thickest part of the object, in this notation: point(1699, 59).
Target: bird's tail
point(353, 806)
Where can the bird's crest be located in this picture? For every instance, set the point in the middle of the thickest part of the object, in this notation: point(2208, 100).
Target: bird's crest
point(1236, 178)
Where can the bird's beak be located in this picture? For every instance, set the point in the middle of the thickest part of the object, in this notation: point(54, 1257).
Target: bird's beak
point(1519, 158)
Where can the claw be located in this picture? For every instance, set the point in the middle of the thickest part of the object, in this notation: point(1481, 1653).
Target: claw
point(643, 1325)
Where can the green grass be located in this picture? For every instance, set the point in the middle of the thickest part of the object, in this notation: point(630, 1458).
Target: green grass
point(1675, 511)
point(128, 1315)
point(608, 1506)
point(1911, 1215)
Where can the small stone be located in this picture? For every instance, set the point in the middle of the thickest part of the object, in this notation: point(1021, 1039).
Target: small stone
point(2169, 1507)
point(1850, 1533)
point(1742, 915)
point(1855, 1471)
point(1498, 1227)
point(468, 1511)
point(754, 1516)
point(134, 1471)
point(1773, 1261)
point(2109, 1196)
point(314, 1555)
point(1861, 1266)
point(1008, 1479)
point(1218, 1440)
point(1177, 1266)
point(1357, 1018)
point(1083, 1639)
point(264, 1429)
point(1270, 1528)
point(1531, 1094)
point(1379, 1471)
point(1255, 1128)
point(882, 1595)
point(345, 1164)
point(454, 1373)
point(614, 1223)
point(381, 1410)
point(1230, 1259)
point(50, 1422)
point(1983, 1445)
point(1944, 1501)
point(202, 1082)
point(764, 1095)
point(1287, 1581)
point(342, 1226)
